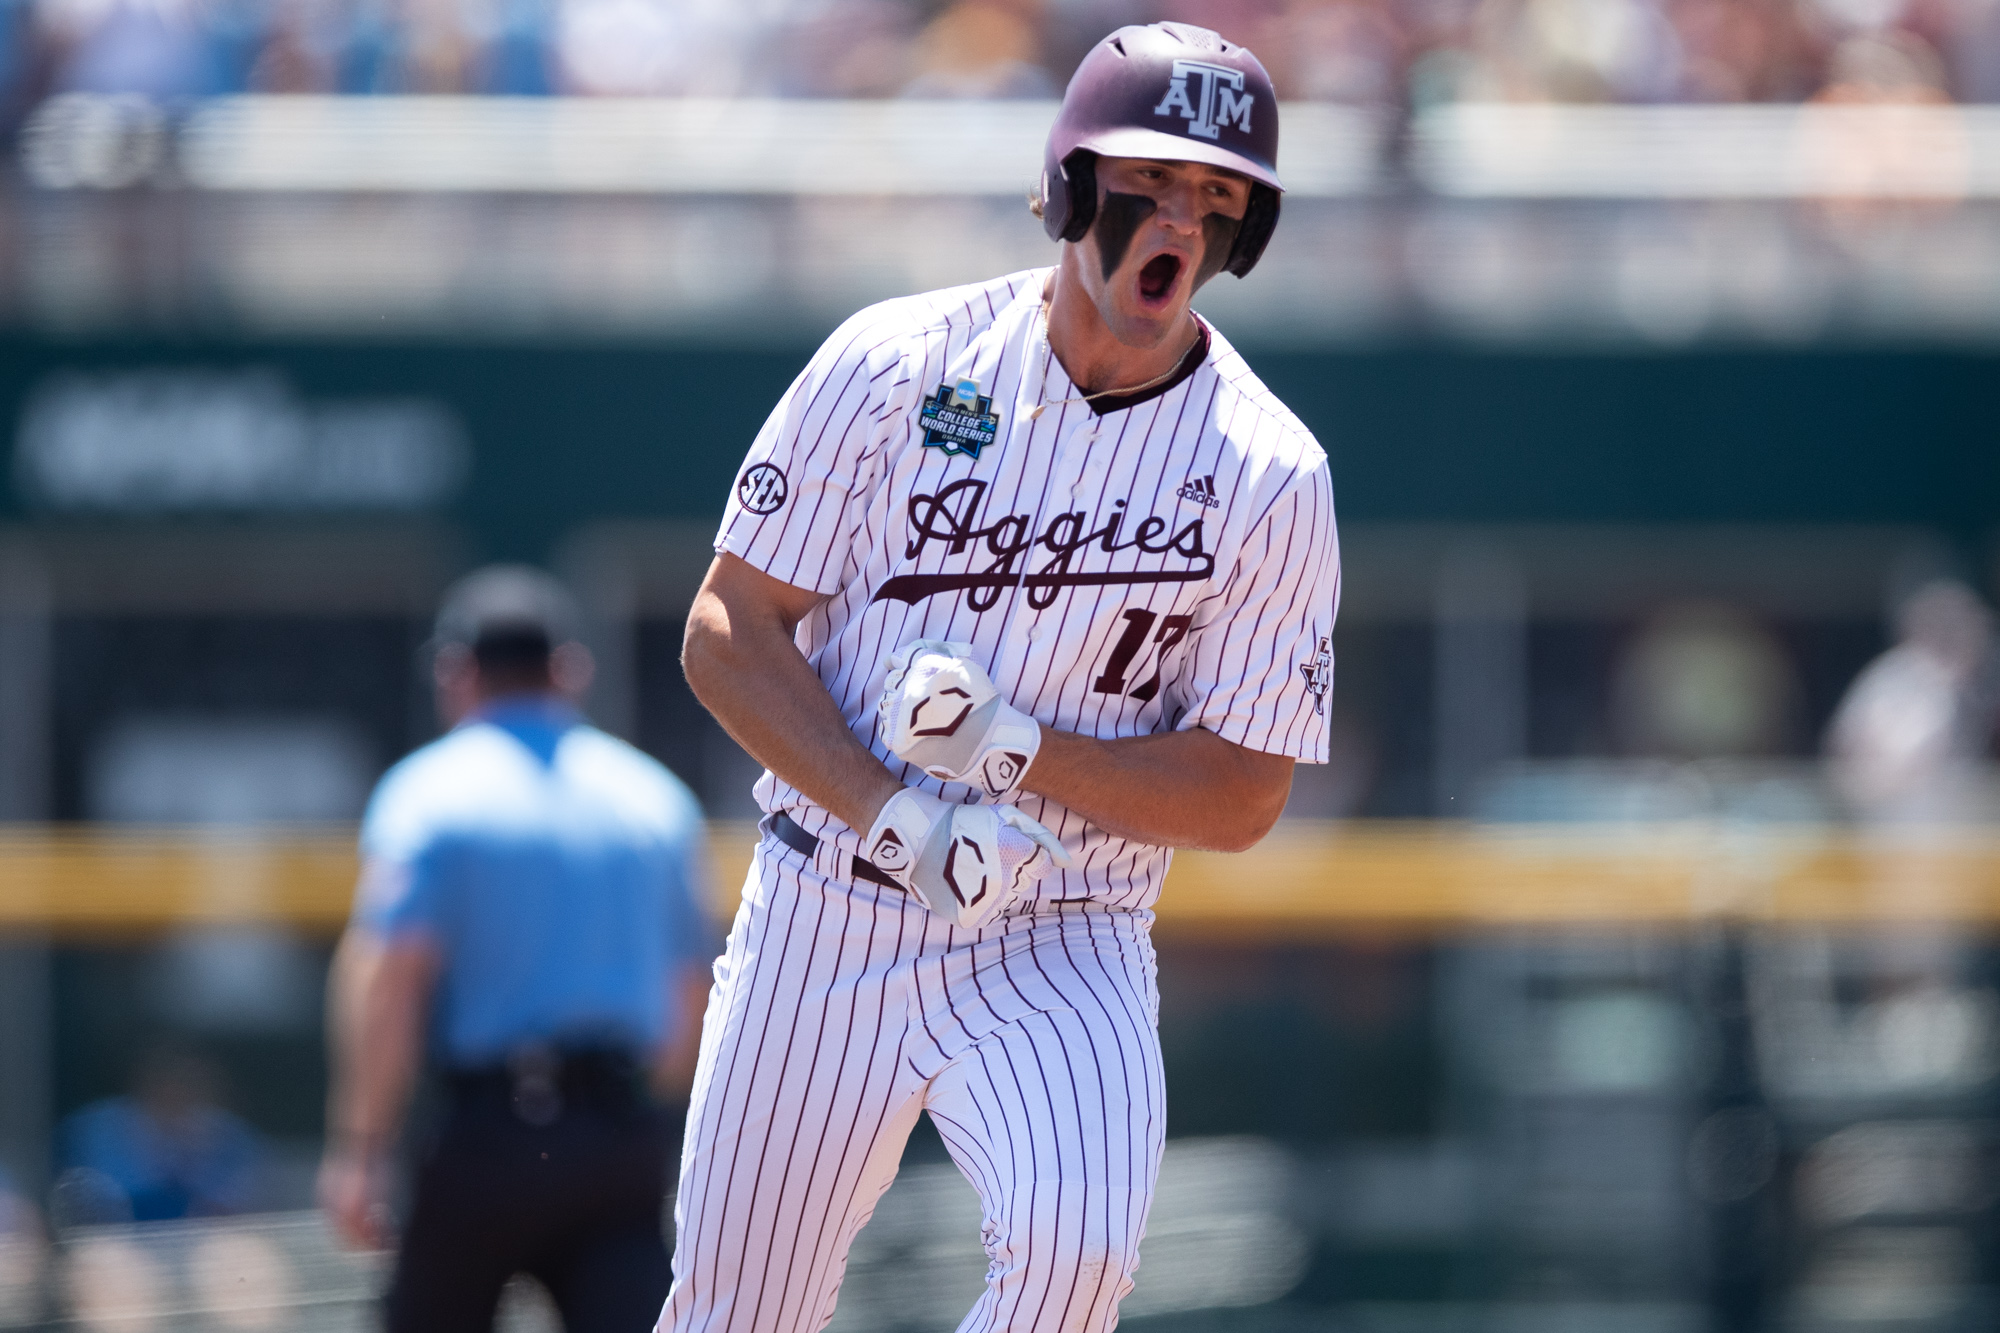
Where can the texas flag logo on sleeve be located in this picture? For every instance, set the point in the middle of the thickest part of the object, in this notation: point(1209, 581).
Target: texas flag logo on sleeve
point(1319, 673)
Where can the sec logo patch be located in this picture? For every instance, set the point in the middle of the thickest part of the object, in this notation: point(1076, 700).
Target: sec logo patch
point(762, 489)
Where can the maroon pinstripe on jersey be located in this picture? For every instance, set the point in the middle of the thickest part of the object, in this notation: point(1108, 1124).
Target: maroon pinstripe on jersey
point(1170, 565)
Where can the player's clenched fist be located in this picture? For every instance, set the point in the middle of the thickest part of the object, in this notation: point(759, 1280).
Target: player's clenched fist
point(941, 712)
point(966, 862)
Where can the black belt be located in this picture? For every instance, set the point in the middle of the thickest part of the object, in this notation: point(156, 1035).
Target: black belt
point(786, 830)
point(538, 1082)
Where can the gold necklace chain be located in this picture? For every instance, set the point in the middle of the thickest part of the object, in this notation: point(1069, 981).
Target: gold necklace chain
point(1035, 412)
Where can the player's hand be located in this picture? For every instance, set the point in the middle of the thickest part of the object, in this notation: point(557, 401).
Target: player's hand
point(941, 712)
point(967, 862)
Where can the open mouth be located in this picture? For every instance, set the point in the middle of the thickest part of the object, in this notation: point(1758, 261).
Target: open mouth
point(1156, 280)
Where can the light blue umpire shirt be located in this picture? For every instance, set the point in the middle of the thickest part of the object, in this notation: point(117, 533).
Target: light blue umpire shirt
point(559, 872)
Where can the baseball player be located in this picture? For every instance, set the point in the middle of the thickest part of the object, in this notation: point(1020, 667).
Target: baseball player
point(1022, 585)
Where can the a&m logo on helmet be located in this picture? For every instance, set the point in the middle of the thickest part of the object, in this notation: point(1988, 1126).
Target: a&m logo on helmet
point(1217, 98)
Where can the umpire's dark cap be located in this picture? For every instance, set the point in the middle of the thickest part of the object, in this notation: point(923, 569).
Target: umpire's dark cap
point(507, 611)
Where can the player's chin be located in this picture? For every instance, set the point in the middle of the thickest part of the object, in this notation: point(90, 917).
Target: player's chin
point(1139, 331)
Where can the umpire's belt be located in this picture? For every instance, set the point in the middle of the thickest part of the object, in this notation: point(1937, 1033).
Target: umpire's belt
point(538, 1081)
point(786, 830)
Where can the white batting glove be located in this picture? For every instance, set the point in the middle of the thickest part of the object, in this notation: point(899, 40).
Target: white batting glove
point(941, 712)
point(966, 862)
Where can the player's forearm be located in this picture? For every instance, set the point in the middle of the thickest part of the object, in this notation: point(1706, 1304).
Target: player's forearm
point(741, 663)
point(1178, 789)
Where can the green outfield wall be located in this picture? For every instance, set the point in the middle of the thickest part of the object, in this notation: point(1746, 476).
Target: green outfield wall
point(558, 435)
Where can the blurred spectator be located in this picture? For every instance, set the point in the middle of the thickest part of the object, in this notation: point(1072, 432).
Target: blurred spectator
point(161, 49)
point(1742, 50)
point(679, 48)
point(18, 48)
point(980, 48)
point(424, 47)
point(1703, 680)
point(516, 58)
point(168, 1150)
point(1916, 721)
point(1892, 67)
point(1340, 52)
point(840, 48)
point(530, 899)
point(300, 52)
point(1974, 48)
point(1589, 51)
point(1872, 166)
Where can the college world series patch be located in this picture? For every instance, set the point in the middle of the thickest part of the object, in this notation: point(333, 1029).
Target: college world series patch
point(959, 419)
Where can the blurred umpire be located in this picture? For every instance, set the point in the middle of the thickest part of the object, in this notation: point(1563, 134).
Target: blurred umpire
point(529, 916)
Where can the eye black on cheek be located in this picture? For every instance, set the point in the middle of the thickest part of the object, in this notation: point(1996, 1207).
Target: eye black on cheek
point(1118, 219)
point(1218, 238)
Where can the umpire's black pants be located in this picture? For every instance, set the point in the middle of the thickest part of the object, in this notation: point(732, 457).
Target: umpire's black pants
point(575, 1202)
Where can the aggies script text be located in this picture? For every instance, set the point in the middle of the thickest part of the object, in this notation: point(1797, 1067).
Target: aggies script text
point(950, 517)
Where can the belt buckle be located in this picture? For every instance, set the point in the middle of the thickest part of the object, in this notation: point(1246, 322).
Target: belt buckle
point(536, 1095)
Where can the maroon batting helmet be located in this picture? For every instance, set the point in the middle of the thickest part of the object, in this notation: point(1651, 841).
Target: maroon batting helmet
point(1176, 93)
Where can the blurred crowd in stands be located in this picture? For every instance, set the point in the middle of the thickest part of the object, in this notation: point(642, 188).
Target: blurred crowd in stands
point(1397, 54)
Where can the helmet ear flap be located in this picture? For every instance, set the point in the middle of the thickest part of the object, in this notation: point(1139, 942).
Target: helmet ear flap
point(1079, 171)
point(1260, 219)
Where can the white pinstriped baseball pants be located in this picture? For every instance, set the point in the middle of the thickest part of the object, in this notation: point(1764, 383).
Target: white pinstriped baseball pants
point(839, 1014)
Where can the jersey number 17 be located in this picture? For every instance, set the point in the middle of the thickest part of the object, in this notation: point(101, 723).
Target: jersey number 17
point(1137, 622)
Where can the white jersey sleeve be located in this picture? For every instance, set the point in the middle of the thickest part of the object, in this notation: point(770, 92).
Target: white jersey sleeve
point(1261, 670)
point(798, 497)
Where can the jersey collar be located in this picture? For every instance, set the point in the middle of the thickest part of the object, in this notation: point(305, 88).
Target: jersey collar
point(526, 710)
point(1057, 383)
point(1190, 363)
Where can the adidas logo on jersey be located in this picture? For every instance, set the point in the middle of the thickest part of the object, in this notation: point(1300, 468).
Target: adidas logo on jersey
point(1201, 490)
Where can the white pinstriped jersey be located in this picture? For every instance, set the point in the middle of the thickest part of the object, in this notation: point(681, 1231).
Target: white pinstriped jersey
point(1167, 566)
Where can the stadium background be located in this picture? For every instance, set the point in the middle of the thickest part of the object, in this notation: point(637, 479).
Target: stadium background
point(1653, 342)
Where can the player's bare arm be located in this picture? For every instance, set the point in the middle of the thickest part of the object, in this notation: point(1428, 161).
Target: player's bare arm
point(742, 663)
point(941, 711)
point(1176, 789)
